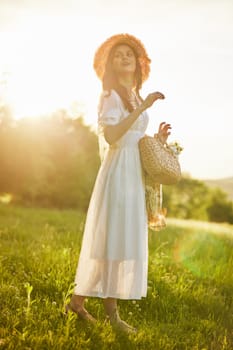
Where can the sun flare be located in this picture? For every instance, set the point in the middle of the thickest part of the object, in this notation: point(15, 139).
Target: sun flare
point(45, 70)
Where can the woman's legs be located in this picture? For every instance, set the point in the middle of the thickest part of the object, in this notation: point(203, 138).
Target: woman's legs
point(110, 306)
point(77, 300)
point(76, 305)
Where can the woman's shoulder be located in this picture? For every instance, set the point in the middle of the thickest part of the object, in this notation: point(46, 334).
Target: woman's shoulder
point(112, 94)
point(109, 99)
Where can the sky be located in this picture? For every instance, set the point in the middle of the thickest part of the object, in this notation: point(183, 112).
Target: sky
point(46, 63)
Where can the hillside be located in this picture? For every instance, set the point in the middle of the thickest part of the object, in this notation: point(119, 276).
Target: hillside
point(225, 184)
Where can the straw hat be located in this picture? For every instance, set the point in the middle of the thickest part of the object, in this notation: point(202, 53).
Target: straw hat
point(103, 51)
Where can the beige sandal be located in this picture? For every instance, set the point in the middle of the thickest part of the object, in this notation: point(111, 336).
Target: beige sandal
point(120, 325)
point(81, 312)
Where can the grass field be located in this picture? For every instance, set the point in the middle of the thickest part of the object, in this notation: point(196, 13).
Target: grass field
point(190, 287)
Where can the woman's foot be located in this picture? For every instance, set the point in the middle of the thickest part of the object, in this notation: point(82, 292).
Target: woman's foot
point(80, 311)
point(119, 324)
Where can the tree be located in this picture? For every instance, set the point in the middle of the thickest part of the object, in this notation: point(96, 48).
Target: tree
point(220, 208)
point(50, 160)
point(187, 199)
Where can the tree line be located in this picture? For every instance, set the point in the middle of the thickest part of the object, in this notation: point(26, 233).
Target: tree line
point(53, 161)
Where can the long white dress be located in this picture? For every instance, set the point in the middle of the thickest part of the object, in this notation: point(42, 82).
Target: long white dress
point(113, 261)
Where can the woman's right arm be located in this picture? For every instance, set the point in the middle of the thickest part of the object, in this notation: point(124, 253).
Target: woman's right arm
point(112, 133)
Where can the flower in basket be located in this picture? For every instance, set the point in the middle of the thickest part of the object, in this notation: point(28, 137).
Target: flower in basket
point(175, 148)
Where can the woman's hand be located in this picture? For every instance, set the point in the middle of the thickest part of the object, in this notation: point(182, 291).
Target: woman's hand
point(164, 131)
point(151, 98)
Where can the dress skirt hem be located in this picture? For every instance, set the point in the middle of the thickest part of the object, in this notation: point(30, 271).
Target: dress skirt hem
point(126, 297)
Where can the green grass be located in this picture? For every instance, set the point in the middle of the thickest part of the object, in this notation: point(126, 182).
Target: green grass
point(190, 287)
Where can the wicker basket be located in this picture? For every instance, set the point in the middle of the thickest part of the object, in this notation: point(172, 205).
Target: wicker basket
point(159, 162)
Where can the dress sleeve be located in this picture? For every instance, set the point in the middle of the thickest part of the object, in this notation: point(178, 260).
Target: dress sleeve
point(109, 112)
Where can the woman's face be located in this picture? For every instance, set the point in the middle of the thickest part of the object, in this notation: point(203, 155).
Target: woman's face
point(124, 60)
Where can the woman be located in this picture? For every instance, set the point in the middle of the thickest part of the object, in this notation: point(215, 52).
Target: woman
point(113, 260)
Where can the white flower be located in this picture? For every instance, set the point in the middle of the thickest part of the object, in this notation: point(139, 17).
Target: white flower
point(175, 147)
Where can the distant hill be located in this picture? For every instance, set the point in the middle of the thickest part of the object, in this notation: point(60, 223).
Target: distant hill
point(224, 184)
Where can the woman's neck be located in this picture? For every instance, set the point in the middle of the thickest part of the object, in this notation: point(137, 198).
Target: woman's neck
point(127, 82)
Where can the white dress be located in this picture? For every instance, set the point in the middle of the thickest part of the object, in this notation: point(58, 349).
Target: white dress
point(113, 261)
